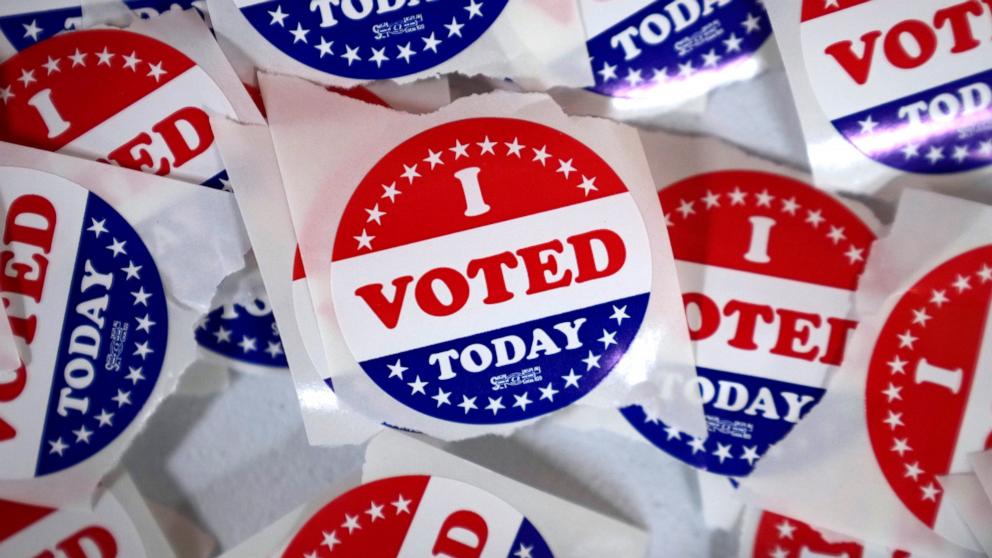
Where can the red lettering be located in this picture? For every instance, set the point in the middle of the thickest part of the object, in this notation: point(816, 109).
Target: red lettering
point(839, 329)
point(427, 298)
point(24, 328)
point(97, 536)
point(388, 311)
point(795, 327)
point(709, 315)
point(492, 272)
point(471, 531)
point(134, 155)
point(895, 49)
point(616, 254)
point(858, 67)
point(196, 121)
point(36, 206)
point(15, 275)
point(747, 319)
point(538, 268)
point(957, 15)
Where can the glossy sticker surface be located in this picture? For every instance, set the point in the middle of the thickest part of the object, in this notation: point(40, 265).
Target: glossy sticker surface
point(490, 270)
point(28, 26)
point(414, 516)
point(907, 82)
point(366, 39)
point(929, 387)
point(767, 267)
point(244, 333)
point(88, 309)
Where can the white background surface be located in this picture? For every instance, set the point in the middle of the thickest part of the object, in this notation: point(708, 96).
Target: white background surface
point(236, 461)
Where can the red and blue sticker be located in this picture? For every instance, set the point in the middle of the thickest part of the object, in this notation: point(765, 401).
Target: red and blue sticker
point(908, 83)
point(777, 536)
point(490, 270)
point(928, 397)
point(638, 50)
point(414, 516)
point(86, 303)
point(371, 40)
point(246, 333)
point(767, 266)
point(28, 26)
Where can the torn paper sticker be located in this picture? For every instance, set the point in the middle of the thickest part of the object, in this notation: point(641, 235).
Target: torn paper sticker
point(768, 535)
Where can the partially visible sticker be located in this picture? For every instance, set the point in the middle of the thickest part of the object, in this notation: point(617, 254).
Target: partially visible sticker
point(415, 516)
point(245, 333)
point(778, 536)
point(767, 266)
point(928, 396)
point(639, 48)
point(371, 40)
point(907, 82)
point(87, 306)
point(29, 25)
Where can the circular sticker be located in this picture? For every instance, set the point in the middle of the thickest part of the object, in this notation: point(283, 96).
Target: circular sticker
point(87, 307)
point(29, 25)
point(767, 267)
point(118, 97)
point(778, 536)
point(490, 270)
point(363, 39)
point(246, 333)
point(638, 52)
point(928, 394)
point(908, 83)
point(415, 516)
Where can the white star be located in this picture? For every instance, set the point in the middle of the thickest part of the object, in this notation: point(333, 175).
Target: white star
point(814, 217)
point(142, 349)
point(375, 512)
point(247, 344)
point(351, 54)
point(737, 196)
point(751, 24)
point(750, 454)
point(587, 185)
point(985, 274)
point(930, 492)
point(135, 375)
point(619, 314)
point(278, 16)
point(572, 379)
point(132, 270)
point(524, 551)
point(565, 167)
point(897, 365)
point(117, 247)
point(442, 397)
point(785, 529)
point(58, 446)
point(52, 65)
point(140, 296)
point(660, 75)
point(405, 52)
point(474, 9)
point(921, 317)
point(27, 77)
point(144, 324)
point(868, 125)
point(6, 93)
point(540, 154)
point(32, 30)
point(513, 148)
point(672, 433)
point(910, 151)
point(104, 56)
point(697, 445)
point(430, 43)
point(390, 192)
point(486, 146)
point(274, 348)
point(122, 398)
point(778, 552)
point(633, 77)
point(685, 208)
point(608, 338)
point(592, 361)
point(156, 71)
point(97, 227)
point(548, 392)
point(985, 148)
point(131, 61)
point(299, 34)
point(892, 392)
point(454, 28)
point(854, 254)
point(83, 435)
point(522, 401)
point(607, 72)
point(939, 298)
point(351, 523)
point(324, 47)
point(378, 56)
point(330, 539)
point(364, 240)
point(78, 58)
point(764, 199)
point(722, 451)
point(913, 470)
point(836, 234)
point(417, 386)
point(830, 4)
point(961, 284)
point(396, 369)
point(906, 340)
point(960, 153)
point(375, 214)
point(894, 420)
point(410, 172)
point(460, 149)
point(468, 404)
point(901, 446)
point(732, 43)
point(935, 154)
point(105, 418)
point(223, 335)
point(686, 69)
point(711, 59)
point(711, 200)
point(402, 505)
point(495, 405)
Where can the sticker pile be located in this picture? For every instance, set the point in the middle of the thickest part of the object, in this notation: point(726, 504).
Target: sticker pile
point(443, 221)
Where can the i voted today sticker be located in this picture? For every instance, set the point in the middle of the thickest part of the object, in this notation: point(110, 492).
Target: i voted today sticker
point(27, 24)
point(246, 333)
point(371, 39)
point(87, 307)
point(767, 266)
point(777, 536)
point(907, 82)
point(638, 48)
point(928, 397)
point(418, 515)
point(490, 270)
